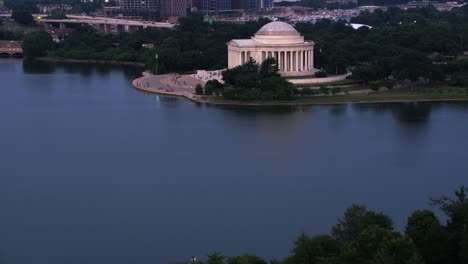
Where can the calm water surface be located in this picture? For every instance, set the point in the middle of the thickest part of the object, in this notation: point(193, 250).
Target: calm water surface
point(93, 171)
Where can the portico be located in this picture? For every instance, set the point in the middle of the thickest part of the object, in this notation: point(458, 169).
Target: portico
point(277, 40)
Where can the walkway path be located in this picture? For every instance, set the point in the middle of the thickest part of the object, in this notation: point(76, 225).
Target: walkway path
point(168, 84)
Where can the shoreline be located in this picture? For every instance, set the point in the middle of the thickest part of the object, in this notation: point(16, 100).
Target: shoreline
point(322, 100)
point(91, 61)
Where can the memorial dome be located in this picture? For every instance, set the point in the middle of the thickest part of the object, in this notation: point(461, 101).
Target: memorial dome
point(277, 29)
point(278, 33)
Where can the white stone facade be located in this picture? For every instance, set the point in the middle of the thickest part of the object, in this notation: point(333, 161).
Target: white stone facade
point(277, 40)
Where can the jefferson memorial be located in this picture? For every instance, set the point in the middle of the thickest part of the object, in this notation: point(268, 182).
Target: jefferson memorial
point(277, 40)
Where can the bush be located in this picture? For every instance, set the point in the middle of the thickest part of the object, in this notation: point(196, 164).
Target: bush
point(307, 91)
point(336, 90)
point(37, 44)
point(374, 86)
point(199, 89)
point(208, 90)
point(320, 74)
point(389, 84)
point(22, 17)
point(324, 90)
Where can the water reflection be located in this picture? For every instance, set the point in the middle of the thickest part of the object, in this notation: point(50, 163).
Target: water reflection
point(262, 110)
point(32, 66)
point(413, 112)
point(338, 110)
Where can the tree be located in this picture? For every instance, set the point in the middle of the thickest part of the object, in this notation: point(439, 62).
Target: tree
point(412, 65)
point(269, 67)
point(364, 74)
point(213, 86)
point(199, 89)
point(302, 252)
point(216, 258)
point(429, 236)
point(456, 209)
point(322, 249)
point(22, 17)
point(253, 82)
point(377, 245)
point(246, 259)
point(37, 44)
point(356, 219)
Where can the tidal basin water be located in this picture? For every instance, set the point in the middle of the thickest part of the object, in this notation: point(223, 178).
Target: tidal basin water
point(93, 171)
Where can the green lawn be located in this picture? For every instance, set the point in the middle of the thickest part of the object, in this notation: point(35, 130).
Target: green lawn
point(338, 83)
point(452, 93)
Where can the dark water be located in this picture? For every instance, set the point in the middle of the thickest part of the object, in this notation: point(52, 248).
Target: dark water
point(93, 171)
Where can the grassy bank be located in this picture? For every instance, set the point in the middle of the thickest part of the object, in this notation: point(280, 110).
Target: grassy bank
point(448, 94)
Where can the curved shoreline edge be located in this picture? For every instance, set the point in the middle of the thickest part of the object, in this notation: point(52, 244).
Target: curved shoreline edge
point(198, 99)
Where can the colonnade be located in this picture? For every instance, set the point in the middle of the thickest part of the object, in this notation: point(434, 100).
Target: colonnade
point(288, 61)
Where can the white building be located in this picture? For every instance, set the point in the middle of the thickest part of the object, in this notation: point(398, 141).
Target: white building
point(277, 40)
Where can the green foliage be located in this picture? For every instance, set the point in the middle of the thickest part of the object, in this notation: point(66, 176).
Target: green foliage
point(318, 249)
point(355, 220)
point(324, 90)
point(429, 236)
point(216, 258)
point(412, 65)
point(245, 259)
point(320, 74)
point(26, 5)
point(269, 68)
point(253, 82)
point(336, 90)
point(37, 44)
point(375, 86)
point(213, 86)
point(23, 17)
point(199, 89)
point(456, 209)
point(366, 237)
point(364, 74)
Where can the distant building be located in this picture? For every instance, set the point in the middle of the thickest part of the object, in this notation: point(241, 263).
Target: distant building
point(175, 8)
point(146, 9)
point(252, 5)
point(50, 8)
point(425, 3)
point(215, 6)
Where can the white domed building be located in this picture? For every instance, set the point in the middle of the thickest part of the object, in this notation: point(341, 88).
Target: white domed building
point(278, 40)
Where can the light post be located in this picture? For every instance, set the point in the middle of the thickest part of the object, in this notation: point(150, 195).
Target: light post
point(156, 68)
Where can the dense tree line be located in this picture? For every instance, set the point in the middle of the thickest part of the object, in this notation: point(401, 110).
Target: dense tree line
point(408, 44)
point(194, 44)
point(363, 236)
point(252, 81)
point(413, 45)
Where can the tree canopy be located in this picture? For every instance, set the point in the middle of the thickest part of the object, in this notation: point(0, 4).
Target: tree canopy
point(363, 236)
point(37, 44)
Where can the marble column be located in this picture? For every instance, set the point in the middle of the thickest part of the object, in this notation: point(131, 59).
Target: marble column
point(294, 61)
point(279, 61)
point(304, 60)
point(297, 60)
point(299, 54)
point(310, 59)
